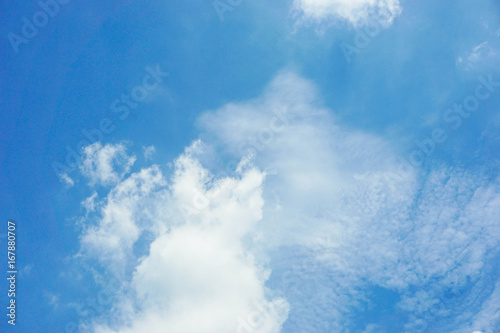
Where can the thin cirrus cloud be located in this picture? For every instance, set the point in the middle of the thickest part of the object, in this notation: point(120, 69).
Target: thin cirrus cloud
point(356, 12)
point(482, 56)
point(198, 252)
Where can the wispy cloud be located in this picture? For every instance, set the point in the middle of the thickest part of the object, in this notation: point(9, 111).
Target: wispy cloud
point(105, 165)
point(67, 179)
point(149, 152)
point(481, 55)
point(356, 12)
point(90, 203)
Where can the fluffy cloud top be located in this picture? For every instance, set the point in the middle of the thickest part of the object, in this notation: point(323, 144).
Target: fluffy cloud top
point(196, 275)
point(356, 12)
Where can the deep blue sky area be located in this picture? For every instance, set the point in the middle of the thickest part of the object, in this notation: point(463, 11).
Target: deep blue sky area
point(354, 116)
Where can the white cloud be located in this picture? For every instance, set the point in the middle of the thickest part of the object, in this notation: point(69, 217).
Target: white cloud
point(476, 52)
point(205, 239)
point(149, 152)
point(105, 165)
point(383, 226)
point(313, 161)
point(356, 12)
point(123, 215)
point(474, 56)
point(196, 276)
point(67, 179)
point(482, 55)
point(90, 203)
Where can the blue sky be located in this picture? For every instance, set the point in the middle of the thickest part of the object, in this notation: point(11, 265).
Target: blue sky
point(246, 166)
